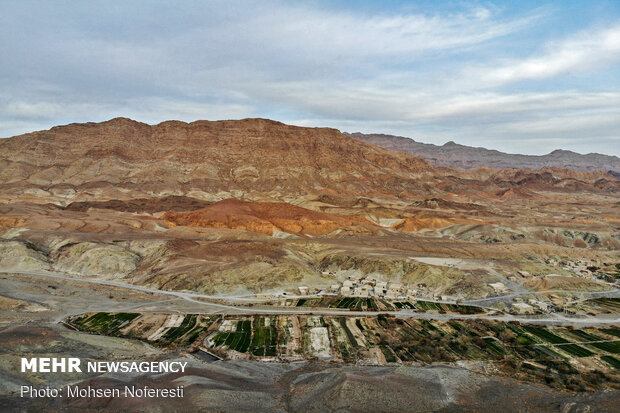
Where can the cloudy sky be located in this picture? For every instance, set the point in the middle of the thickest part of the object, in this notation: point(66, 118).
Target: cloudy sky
point(521, 76)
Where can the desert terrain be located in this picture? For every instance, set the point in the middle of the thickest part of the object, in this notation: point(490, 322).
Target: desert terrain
point(282, 260)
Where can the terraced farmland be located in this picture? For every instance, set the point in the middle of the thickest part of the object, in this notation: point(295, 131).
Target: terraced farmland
point(379, 304)
point(612, 361)
point(611, 331)
point(377, 340)
point(566, 345)
point(357, 303)
point(166, 330)
point(597, 341)
point(105, 323)
point(608, 305)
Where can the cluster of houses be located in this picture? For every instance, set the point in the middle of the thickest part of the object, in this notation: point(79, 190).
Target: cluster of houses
point(364, 286)
point(370, 287)
point(532, 306)
point(579, 267)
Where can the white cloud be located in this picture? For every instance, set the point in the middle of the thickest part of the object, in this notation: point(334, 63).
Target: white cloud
point(586, 51)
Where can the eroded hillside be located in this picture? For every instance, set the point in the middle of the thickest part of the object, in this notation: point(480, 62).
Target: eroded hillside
point(255, 205)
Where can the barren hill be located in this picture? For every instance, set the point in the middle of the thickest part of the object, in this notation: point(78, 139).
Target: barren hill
point(453, 155)
point(256, 205)
point(268, 218)
point(255, 159)
point(119, 157)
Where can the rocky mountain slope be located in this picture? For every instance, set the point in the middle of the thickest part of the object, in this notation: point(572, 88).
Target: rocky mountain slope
point(255, 159)
point(453, 155)
point(269, 218)
point(256, 205)
point(200, 159)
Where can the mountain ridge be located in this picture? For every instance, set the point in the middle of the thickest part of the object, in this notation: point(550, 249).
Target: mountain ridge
point(254, 159)
point(454, 155)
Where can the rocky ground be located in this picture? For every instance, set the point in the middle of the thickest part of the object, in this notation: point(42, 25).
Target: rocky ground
point(33, 306)
point(253, 206)
point(233, 386)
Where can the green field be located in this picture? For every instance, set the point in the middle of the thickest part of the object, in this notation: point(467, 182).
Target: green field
point(560, 342)
point(552, 353)
point(575, 350)
point(106, 323)
point(609, 346)
point(611, 331)
point(495, 347)
point(545, 334)
point(465, 309)
point(204, 323)
point(612, 361)
point(429, 305)
point(612, 304)
point(404, 305)
point(265, 338)
point(238, 340)
point(175, 333)
point(369, 303)
point(357, 303)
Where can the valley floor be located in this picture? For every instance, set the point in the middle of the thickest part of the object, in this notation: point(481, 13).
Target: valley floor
point(33, 306)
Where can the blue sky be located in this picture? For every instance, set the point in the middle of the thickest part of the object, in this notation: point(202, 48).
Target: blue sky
point(522, 76)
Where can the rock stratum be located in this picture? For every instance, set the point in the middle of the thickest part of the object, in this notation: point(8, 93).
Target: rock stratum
point(256, 205)
point(250, 158)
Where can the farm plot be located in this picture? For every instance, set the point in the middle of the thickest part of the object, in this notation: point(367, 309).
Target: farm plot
point(105, 323)
point(559, 342)
point(612, 361)
point(608, 346)
point(464, 309)
point(343, 338)
point(233, 334)
point(520, 336)
point(609, 302)
point(384, 305)
point(564, 357)
point(611, 331)
point(429, 305)
point(176, 332)
point(316, 338)
point(315, 302)
point(601, 343)
point(408, 340)
point(492, 345)
point(389, 355)
point(357, 303)
point(290, 337)
point(265, 337)
point(167, 330)
point(404, 305)
point(202, 324)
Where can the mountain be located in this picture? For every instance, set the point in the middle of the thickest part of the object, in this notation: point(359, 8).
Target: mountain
point(257, 205)
point(453, 155)
point(121, 162)
point(123, 159)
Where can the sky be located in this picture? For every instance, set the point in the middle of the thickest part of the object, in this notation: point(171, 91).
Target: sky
point(517, 76)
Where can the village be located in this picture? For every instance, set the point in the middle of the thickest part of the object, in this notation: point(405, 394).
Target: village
point(366, 286)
